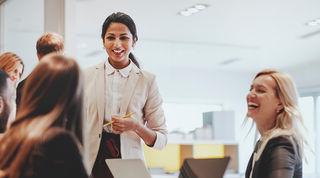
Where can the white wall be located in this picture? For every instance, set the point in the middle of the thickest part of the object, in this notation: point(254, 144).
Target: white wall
point(307, 77)
point(23, 25)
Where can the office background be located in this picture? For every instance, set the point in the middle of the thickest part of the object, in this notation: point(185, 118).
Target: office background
point(204, 61)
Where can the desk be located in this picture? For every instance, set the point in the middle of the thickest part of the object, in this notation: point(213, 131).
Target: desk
point(176, 176)
point(171, 158)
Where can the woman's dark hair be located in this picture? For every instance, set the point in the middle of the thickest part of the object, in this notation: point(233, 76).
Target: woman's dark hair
point(52, 97)
point(120, 17)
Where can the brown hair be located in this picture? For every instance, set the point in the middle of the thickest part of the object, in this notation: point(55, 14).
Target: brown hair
point(48, 43)
point(9, 60)
point(53, 98)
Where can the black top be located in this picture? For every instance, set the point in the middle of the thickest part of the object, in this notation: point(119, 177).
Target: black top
point(280, 159)
point(56, 156)
point(19, 92)
point(109, 149)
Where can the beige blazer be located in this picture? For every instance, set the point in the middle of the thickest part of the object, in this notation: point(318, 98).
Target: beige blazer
point(141, 96)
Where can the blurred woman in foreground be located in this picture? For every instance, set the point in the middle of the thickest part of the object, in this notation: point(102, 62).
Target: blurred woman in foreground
point(45, 138)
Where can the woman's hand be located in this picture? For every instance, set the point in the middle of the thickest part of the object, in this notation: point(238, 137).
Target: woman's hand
point(120, 124)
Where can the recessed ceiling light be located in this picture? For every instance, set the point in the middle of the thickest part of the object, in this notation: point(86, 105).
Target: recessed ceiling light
point(185, 13)
point(200, 6)
point(313, 22)
point(229, 61)
point(193, 9)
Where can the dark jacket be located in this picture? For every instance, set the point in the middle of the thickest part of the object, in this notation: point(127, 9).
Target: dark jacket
point(56, 156)
point(19, 92)
point(279, 159)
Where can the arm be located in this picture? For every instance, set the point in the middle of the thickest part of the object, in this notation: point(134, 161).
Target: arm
point(155, 119)
point(282, 160)
point(154, 133)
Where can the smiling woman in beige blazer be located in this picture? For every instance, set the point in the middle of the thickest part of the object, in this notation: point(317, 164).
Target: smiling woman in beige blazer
point(117, 88)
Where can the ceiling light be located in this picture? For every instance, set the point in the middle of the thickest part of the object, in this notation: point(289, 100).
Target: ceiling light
point(313, 22)
point(193, 9)
point(229, 61)
point(185, 13)
point(200, 6)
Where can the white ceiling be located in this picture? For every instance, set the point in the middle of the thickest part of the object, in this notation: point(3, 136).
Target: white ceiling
point(186, 52)
point(254, 34)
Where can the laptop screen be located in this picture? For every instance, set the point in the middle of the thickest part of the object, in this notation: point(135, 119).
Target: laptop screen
point(127, 168)
point(204, 168)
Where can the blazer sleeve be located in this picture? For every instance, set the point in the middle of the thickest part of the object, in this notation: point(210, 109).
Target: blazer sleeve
point(282, 159)
point(154, 115)
point(57, 155)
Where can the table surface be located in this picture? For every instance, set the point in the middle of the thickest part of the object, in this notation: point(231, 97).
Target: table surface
point(176, 176)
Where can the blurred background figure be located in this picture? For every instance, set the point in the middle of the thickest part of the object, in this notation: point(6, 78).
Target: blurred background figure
point(45, 139)
point(46, 44)
point(7, 101)
point(13, 65)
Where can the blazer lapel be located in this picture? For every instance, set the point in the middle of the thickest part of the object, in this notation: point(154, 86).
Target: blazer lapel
point(100, 88)
point(129, 89)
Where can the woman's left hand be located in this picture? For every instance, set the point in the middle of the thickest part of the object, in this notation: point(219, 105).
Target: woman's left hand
point(120, 124)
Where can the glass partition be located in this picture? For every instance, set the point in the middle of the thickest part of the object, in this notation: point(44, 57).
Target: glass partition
point(23, 23)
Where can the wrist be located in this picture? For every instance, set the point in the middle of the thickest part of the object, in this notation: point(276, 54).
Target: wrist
point(137, 127)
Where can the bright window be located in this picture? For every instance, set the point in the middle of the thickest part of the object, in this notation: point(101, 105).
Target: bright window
point(186, 117)
point(307, 109)
point(23, 24)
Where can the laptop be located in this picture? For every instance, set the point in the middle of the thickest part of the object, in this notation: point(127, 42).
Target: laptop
point(127, 168)
point(204, 168)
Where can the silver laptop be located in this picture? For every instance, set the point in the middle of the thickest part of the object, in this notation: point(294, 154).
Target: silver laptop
point(127, 168)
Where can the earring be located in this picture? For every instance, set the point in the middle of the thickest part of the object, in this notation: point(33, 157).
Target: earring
point(279, 110)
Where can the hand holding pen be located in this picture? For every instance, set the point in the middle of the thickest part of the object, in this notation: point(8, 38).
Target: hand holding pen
point(122, 124)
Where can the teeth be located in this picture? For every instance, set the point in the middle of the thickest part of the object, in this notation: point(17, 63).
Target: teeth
point(117, 50)
point(252, 105)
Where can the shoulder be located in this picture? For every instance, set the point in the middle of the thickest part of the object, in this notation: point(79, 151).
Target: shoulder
point(282, 142)
point(94, 68)
point(59, 147)
point(56, 133)
point(92, 72)
point(57, 155)
point(282, 148)
point(20, 85)
point(57, 139)
point(148, 76)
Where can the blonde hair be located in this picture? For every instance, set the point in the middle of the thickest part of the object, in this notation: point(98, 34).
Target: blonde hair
point(289, 118)
point(9, 60)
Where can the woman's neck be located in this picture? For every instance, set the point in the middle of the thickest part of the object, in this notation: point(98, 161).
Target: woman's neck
point(264, 128)
point(119, 65)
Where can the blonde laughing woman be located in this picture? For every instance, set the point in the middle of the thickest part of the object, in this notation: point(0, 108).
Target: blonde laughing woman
point(273, 105)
